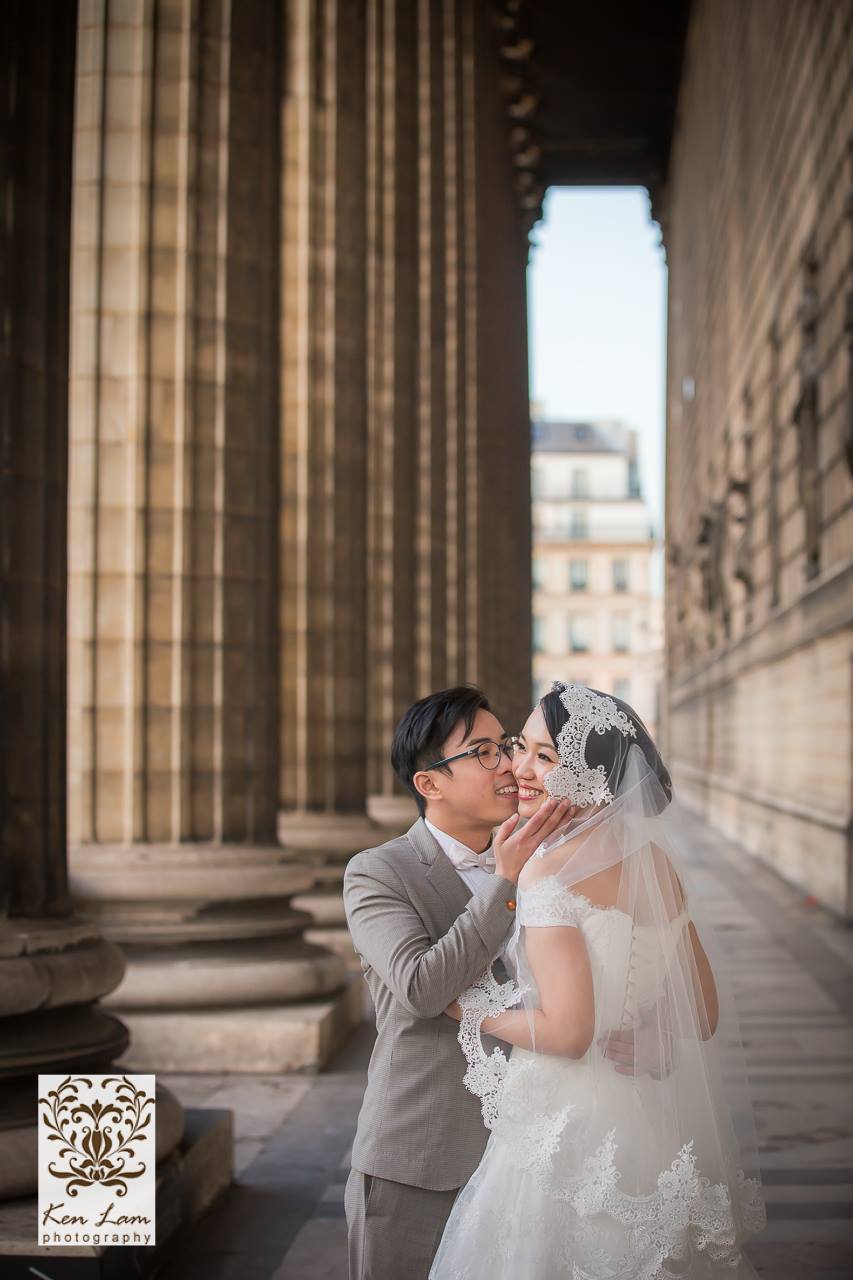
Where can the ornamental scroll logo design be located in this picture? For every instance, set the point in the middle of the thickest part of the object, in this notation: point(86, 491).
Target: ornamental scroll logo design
point(97, 1139)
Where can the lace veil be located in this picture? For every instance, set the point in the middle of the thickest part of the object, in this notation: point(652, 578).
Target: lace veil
point(659, 1147)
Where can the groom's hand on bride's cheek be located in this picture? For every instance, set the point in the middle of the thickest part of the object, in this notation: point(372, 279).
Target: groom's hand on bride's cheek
point(514, 844)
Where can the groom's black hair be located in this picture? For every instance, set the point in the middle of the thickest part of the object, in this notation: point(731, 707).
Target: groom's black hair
point(426, 726)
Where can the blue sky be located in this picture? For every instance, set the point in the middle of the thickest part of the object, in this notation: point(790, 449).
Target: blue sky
point(597, 300)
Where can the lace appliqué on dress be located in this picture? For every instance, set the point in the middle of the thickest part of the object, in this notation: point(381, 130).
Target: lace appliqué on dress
point(683, 1215)
point(486, 1072)
point(549, 902)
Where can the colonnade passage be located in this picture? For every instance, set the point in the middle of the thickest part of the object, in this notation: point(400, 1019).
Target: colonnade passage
point(264, 430)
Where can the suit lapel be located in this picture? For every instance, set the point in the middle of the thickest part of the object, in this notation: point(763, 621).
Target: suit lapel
point(442, 875)
point(449, 885)
point(444, 878)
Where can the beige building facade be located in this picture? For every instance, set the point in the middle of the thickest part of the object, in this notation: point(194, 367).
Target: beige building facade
point(758, 227)
point(595, 618)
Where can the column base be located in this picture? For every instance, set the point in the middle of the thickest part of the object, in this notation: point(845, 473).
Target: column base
point(214, 950)
point(395, 814)
point(325, 905)
point(45, 963)
point(263, 1040)
point(320, 838)
point(51, 971)
point(236, 975)
point(326, 842)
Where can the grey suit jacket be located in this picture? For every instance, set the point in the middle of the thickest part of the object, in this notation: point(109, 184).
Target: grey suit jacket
point(422, 938)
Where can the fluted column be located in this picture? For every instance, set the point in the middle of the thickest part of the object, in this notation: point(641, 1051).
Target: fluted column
point(448, 421)
point(432, 661)
point(53, 966)
point(323, 454)
point(173, 656)
point(500, 197)
point(324, 695)
point(392, 362)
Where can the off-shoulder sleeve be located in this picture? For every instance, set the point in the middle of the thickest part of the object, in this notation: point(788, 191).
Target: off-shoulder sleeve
point(549, 902)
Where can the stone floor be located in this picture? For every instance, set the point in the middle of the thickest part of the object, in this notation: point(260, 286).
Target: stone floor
point(791, 964)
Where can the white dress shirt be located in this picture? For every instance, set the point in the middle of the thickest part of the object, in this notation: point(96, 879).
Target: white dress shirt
point(472, 867)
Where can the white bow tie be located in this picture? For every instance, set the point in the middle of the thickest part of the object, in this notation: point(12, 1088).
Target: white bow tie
point(465, 860)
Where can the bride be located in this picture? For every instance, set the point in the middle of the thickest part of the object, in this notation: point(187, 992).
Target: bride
point(635, 1166)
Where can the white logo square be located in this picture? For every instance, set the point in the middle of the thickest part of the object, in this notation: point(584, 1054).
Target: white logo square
point(96, 1152)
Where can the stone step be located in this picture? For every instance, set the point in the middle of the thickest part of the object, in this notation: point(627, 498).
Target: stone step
point(337, 940)
point(325, 908)
point(239, 974)
point(264, 1038)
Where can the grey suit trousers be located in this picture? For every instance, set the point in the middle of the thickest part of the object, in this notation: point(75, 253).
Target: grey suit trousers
point(393, 1229)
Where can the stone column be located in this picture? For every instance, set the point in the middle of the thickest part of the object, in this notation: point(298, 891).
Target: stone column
point(392, 364)
point(448, 421)
point(501, 195)
point(54, 966)
point(175, 456)
point(324, 695)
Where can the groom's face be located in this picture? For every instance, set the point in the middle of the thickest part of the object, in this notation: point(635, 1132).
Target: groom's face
point(470, 791)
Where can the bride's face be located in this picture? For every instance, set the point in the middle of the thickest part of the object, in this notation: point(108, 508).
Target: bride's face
point(535, 756)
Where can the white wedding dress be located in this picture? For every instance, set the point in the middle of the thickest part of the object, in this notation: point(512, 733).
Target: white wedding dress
point(580, 1178)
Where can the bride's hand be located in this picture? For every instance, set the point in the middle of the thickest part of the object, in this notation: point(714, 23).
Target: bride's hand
point(454, 1011)
point(647, 1050)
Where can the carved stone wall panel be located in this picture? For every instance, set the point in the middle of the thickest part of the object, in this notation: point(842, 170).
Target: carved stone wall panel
point(758, 246)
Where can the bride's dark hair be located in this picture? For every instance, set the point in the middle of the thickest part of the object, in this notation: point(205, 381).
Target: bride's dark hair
point(608, 748)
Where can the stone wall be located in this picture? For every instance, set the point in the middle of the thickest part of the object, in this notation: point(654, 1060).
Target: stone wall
point(758, 227)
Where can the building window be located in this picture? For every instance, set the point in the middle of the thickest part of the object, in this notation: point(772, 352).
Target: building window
point(580, 483)
point(537, 633)
point(537, 485)
point(620, 575)
point(540, 688)
point(621, 632)
point(579, 525)
point(579, 575)
point(622, 688)
point(538, 573)
point(579, 633)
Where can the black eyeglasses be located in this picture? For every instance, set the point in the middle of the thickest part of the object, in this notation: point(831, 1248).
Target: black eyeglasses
point(488, 753)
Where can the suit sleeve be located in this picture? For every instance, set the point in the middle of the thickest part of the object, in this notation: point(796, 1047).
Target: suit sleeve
point(387, 931)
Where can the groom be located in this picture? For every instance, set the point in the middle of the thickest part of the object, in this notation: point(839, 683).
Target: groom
point(428, 913)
